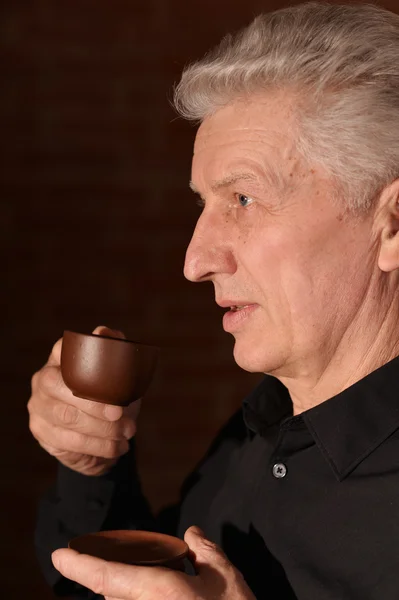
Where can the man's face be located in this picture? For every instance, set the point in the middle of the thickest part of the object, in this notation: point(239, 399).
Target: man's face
point(278, 245)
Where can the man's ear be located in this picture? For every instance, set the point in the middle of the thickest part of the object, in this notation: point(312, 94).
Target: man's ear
point(388, 217)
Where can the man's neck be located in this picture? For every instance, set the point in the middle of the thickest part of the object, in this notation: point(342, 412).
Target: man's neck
point(363, 349)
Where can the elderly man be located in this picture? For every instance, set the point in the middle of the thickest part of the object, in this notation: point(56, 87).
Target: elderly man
point(296, 163)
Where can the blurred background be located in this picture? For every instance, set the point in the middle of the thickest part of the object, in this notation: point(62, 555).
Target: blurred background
point(95, 218)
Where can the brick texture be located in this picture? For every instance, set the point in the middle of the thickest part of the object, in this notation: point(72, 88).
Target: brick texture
point(96, 216)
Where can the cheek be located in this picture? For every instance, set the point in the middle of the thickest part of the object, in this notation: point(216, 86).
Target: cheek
point(266, 267)
point(293, 280)
point(322, 284)
point(302, 272)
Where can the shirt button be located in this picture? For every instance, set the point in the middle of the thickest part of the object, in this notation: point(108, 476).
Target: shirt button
point(279, 470)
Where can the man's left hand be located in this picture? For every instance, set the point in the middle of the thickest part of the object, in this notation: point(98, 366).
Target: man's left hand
point(216, 577)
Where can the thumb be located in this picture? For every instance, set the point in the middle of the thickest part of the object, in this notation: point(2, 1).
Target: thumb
point(205, 555)
point(108, 332)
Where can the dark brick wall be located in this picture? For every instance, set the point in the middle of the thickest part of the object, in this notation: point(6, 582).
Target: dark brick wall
point(95, 218)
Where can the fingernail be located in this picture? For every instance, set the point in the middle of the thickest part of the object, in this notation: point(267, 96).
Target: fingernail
point(129, 430)
point(113, 413)
point(99, 329)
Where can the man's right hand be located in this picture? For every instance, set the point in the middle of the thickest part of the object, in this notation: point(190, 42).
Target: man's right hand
point(86, 436)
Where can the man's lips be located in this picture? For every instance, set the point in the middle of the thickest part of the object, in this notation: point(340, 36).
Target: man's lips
point(236, 317)
point(234, 304)
point(239, 311)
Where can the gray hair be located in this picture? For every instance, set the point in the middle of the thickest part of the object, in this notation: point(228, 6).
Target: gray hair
point(342, 63)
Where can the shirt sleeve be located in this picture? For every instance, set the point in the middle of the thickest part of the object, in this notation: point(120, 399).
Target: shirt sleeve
point(79, 504)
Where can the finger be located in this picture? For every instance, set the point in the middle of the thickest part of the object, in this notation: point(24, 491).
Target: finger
point(55, 356)
point(212, 566)
point(204, 552)
point(68, 416)
point(111, 579)
point(48, 382)
point(106, 331)
point(73, 441)
point(132, 411)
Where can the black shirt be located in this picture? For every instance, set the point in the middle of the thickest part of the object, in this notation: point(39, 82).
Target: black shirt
point(306, 507)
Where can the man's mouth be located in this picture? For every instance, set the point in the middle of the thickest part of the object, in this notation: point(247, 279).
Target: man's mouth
point(237, 315)
point(237, 308)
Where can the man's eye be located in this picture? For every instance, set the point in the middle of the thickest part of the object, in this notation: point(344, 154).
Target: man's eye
point(244, 200)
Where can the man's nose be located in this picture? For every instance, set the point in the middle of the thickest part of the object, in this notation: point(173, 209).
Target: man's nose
point(210, 251)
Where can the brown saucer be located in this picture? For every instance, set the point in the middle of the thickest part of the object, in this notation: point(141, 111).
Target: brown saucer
point(133, 548)
point(105, 369)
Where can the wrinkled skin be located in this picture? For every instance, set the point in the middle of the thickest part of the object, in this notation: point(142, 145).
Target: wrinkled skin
point(322, 285)
point(85, 436)
point(275, 233)
point(217, 579)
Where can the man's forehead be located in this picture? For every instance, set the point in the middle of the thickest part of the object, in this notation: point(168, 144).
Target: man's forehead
point(261, 118)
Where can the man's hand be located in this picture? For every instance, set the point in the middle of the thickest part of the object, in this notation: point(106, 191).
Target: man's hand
point(217, 578)
point(84, 435)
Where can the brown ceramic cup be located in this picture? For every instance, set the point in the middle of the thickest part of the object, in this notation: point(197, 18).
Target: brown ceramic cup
point(105, 369)
point(143, 548)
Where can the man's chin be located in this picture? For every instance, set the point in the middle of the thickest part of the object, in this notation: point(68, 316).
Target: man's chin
point(247, 361)
point(254, 360)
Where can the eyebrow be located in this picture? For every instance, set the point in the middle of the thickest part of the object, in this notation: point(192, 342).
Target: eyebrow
point(227, 181)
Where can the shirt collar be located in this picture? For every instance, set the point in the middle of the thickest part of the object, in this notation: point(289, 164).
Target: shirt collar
point(267, 405)
point(347, 427)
